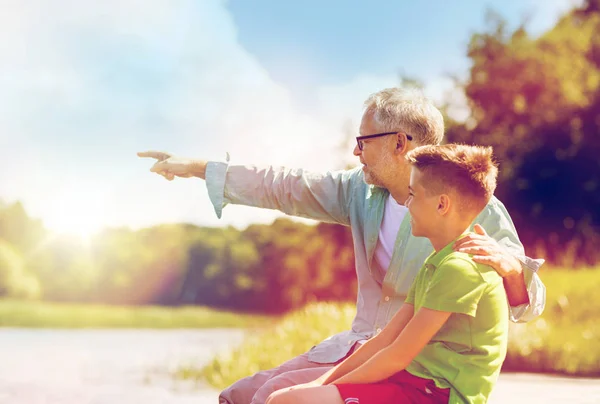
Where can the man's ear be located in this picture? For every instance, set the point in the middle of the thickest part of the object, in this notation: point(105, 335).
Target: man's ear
point(401, 143)
point(444, 203)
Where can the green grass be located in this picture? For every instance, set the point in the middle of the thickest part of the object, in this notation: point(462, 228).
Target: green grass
point(563, 340)
point(264, 349)
point(64, 315)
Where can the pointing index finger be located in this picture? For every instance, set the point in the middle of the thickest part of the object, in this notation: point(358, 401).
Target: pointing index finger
point(154, 154)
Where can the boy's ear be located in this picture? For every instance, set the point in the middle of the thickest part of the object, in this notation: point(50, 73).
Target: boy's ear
point(444, 203)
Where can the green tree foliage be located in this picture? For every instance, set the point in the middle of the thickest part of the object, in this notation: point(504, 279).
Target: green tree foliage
point(18, 233)
point(537, 102)
point(17, 228)
point(271, 268)
point(263, 268)
point(15, 279)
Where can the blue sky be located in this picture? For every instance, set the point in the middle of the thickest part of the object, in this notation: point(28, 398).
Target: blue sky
point(85, 85)
point(333, 41)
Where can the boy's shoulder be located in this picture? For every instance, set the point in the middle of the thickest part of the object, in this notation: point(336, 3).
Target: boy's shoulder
point(458, 262)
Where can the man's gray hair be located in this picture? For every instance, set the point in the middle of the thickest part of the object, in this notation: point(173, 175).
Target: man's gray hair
point(409, 111)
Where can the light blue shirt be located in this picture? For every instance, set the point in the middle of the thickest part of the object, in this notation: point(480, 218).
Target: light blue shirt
point(343, 197)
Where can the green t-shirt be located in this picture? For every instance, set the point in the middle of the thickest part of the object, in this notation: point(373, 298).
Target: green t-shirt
point(467, 353)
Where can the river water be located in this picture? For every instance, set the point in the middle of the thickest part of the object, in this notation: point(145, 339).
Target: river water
point(106, 366)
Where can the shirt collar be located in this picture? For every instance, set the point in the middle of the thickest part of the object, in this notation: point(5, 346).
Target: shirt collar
point(437, 257)
point(373, 190)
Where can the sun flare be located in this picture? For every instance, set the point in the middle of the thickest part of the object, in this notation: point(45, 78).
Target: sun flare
point(76, 213)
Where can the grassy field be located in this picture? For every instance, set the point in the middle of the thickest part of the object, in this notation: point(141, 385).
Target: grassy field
point(264, 349)
point(62, 315)
point(563, 340)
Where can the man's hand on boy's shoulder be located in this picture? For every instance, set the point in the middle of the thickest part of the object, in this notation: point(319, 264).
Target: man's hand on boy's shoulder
point(487, 251)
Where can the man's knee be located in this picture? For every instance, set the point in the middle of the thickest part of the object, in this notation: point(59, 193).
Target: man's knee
point(284, 380)
point(276, 383)
point(243, 391)
point(240, 392)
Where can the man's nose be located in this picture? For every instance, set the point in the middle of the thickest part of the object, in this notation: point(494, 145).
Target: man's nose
point(356, 151)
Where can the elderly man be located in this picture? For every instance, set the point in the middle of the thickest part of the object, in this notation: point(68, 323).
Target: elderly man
point(369, 199)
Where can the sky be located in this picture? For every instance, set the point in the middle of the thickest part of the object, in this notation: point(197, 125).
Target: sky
point(85, 85)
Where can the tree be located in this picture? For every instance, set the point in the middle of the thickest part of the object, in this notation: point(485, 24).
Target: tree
point(537, 102)
point(15, 279)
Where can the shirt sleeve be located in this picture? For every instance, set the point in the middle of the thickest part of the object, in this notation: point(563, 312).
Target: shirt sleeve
point(215, 184)
point(497, 223)
point(320, 196)
point(537, 299)
point(456, 286)
point(410, 297)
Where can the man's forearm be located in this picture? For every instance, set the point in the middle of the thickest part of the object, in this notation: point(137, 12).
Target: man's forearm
point(516, 289)
point(536, 292)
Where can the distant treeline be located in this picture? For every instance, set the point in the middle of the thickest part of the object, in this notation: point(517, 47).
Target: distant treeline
point(263, 268)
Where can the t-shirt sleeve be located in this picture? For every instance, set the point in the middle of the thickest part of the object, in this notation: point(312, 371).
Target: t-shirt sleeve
point(410, 298)
point(456, 287)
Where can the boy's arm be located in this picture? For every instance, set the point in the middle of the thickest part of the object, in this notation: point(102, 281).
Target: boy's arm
point(396, 357)
point(371, 347)
point(455, 287)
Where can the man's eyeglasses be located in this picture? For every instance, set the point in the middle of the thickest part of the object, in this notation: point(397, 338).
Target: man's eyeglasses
point(359, 139)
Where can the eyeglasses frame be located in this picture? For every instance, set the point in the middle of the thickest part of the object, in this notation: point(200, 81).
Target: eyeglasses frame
point(359, 139)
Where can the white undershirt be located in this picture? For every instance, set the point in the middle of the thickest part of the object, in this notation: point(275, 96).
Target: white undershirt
point(390, 225)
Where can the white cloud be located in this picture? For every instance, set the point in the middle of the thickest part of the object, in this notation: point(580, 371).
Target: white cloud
point(545, 14)
point(87, 84)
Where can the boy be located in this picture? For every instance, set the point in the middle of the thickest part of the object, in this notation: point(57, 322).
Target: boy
point(448, 341)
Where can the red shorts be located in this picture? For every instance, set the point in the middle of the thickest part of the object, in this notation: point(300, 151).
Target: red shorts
point(400, 388)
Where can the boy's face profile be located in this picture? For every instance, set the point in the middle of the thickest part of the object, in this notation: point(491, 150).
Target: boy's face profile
point(423, 207)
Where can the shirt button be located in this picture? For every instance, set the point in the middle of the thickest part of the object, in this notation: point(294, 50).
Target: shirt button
point(378, 330)
point(387, 299)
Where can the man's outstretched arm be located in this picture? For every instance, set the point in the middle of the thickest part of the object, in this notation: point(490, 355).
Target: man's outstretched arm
point(319, 196)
